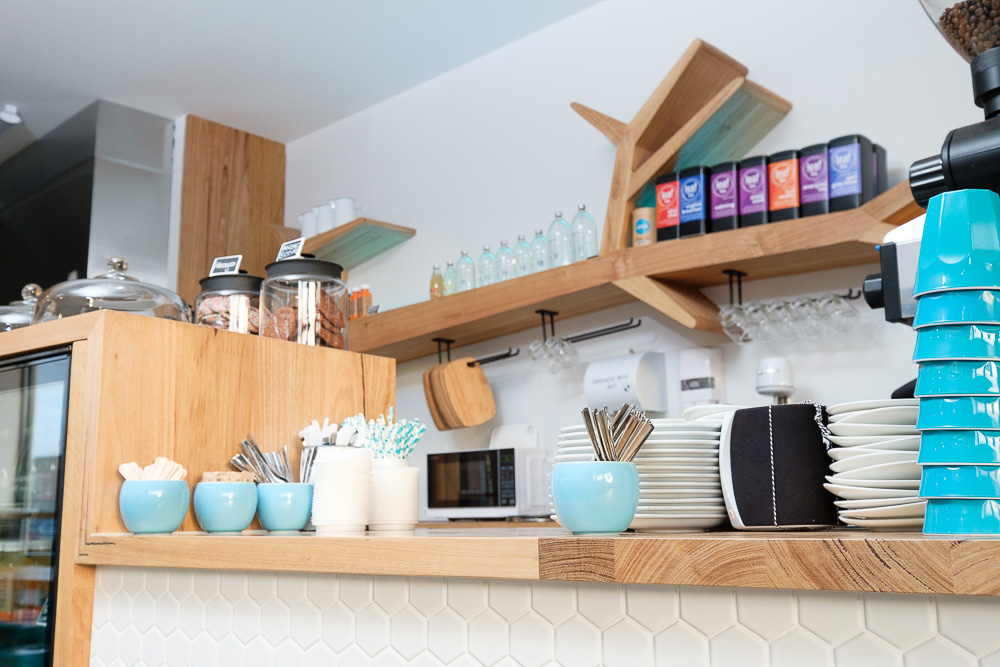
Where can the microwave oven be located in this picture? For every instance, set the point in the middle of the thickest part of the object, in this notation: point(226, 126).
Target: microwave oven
point(487, 484)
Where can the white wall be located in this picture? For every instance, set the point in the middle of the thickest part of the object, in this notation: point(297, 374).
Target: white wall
point(489, 150)
point(183, 617)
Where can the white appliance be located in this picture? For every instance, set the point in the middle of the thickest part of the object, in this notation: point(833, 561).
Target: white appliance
point(487, 484)
point(703, 376)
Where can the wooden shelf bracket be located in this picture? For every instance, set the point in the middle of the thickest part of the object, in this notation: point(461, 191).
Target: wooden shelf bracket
point(703, 112)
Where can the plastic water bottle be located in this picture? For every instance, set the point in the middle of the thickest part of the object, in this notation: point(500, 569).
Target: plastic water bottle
point(465, 273)
point(486, 268)
point(449, 282)
point(585, 244)
point(505, 262)
point(560, 242)
point(437, 286)
point(539, 252)
point(522, 257)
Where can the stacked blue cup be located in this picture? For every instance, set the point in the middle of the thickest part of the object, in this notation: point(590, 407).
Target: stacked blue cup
point(957, 289)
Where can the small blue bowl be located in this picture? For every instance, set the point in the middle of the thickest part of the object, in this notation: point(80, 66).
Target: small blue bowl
point(958, 341)
point(284, 507)
point(595, 497)
point(962, 412)
point(225, 507)
point(960, 244)
point(152, 505)
point(954, 447)
point(962, 517)
point(958, 378)
point(959, 307)
point(960, 481)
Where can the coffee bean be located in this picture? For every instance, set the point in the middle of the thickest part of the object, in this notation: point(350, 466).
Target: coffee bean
point(972, 26)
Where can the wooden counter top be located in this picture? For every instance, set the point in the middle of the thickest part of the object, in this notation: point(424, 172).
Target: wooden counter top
point(846, 560)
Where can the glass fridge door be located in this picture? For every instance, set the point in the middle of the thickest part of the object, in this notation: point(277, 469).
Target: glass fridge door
point(34, 393)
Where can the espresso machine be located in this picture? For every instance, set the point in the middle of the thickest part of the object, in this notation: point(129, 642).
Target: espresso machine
point(969, 158)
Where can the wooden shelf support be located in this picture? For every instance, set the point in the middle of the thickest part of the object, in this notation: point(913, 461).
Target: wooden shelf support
point(685, 305)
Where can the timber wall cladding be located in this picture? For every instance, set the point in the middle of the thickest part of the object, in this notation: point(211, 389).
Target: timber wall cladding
point(233, 191)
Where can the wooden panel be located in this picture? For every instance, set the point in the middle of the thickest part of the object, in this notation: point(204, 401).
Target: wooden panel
point(576, 559)
point(828, 560)
point(420, 555)
point(50, 334)
point(75, 599)
point(193, 393)
point(233, 191)
point(829, 563)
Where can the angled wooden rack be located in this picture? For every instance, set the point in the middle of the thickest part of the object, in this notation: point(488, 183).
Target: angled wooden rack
point(666, 276)
point(705, 111)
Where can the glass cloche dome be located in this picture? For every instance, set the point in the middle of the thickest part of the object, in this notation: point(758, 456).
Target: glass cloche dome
point(112, 291)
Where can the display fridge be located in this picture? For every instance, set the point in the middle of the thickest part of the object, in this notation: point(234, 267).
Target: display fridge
point(33, 407)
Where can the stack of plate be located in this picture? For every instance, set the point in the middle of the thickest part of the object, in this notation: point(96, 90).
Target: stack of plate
point(875, 471)
point(678, 468)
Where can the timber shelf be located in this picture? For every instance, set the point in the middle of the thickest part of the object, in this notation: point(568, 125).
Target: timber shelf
point(350, 244)
point(665, 276)
point(845, 560)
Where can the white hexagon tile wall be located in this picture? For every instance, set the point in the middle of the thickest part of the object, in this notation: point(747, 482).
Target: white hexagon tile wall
point(177, 618)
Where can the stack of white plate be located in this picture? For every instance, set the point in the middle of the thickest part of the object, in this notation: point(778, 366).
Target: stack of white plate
point(678, 468)
point(874, 469)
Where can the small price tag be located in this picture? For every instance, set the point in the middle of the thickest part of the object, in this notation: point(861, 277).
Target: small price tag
point(291, 249)
point(227, 264)
point(372, 310)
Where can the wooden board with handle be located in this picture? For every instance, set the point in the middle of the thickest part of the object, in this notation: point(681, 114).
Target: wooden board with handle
point(468, 392)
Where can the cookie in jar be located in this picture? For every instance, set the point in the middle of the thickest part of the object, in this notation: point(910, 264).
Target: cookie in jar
point(230, 302)
point(304, 300)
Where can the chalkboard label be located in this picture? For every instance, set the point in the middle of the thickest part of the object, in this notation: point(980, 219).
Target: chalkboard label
point(291, 249)
point(225, 265)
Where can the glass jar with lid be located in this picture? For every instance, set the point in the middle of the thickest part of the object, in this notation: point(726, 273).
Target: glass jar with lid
point(18, 314)
point(304, 300)
point(229, 302)
point(112, 291)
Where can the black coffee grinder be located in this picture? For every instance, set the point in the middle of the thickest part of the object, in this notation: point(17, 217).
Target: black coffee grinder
point(970, 156)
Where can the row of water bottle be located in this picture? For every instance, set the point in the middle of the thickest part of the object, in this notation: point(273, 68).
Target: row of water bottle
point(566, 243)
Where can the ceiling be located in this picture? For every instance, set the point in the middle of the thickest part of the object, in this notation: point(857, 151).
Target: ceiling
point(278, 69)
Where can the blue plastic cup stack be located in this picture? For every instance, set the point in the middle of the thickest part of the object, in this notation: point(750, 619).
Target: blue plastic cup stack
point(957, 289)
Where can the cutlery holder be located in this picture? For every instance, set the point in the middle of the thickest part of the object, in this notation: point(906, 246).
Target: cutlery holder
point(773, 464)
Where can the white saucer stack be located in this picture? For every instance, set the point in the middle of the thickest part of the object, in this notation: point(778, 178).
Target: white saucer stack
point(874, 469)
point(678, 468)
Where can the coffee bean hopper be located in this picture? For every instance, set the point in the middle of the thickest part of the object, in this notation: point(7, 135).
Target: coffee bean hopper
point(969, 158)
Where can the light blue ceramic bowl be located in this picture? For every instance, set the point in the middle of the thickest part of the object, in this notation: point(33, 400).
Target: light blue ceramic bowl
point(959, 447)
point(961, 307)
point(282, 507)
point(960, 245)
point(595, 497)
point(962, 412)
point(960, 481)
point(225, 507)
point(962, 517)
point(958, 341)
point(958, 378)
point(153, 506)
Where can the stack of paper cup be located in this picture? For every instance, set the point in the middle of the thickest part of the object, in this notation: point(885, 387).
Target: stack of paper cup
point(394, 495)
point(957, 289)
point(342, 490)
